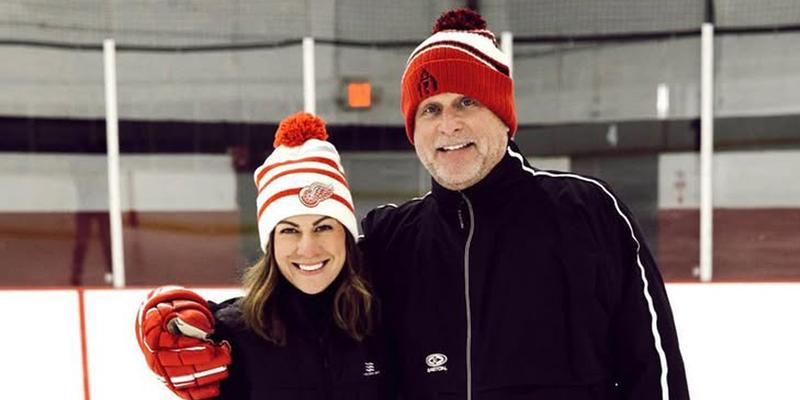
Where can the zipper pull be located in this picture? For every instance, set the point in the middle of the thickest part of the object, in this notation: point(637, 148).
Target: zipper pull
point(460, 218)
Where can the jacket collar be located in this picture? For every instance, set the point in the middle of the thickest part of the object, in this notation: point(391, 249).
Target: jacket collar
point(307, 312)
point(492, 190)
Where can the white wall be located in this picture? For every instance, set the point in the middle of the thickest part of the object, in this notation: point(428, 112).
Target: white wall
point(742, 179)
point(164, 182)
point(739, 341)
point(200, 182)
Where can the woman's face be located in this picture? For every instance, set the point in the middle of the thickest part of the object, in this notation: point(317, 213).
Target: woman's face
point(310, 251)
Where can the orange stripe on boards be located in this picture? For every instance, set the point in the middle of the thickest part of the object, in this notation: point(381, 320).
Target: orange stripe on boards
point(84, 353)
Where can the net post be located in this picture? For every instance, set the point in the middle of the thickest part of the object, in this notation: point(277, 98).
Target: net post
point(706, 152)
point(507, 47)
point(112, 150)
point(309, 91)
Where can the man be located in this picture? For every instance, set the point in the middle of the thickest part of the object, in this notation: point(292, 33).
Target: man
point(506, 282)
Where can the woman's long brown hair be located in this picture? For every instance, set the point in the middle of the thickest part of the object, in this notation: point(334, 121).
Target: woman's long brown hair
point(353, 303)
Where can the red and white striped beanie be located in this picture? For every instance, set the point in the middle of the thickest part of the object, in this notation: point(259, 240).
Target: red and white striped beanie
point(303, 175)
point(460, 57)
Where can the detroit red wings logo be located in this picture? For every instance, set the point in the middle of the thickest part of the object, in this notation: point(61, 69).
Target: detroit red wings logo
point(315, 193)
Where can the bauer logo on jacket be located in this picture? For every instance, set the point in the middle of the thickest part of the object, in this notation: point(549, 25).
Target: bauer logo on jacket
point(315, 193)
point(436, 362)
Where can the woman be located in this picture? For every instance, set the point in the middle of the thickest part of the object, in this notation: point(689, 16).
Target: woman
point(305, 328)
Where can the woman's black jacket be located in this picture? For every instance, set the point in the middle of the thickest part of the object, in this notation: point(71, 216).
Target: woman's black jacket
point(319, 360)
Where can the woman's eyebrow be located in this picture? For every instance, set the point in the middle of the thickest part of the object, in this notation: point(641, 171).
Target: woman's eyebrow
point(321, 219)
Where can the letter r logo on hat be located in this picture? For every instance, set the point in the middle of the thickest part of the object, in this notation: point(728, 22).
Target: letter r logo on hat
point(427, 83)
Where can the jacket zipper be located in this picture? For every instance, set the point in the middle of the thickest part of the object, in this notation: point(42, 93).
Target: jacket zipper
point(466, 290)
point(326, 364)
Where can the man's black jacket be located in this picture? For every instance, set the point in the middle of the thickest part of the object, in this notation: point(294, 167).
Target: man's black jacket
point(527, 285)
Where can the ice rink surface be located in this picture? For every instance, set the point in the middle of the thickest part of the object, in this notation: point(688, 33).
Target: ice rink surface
point(739, 341)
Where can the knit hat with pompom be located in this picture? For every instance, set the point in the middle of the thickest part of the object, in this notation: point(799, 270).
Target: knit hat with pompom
point(303, 175)
point(460, 57)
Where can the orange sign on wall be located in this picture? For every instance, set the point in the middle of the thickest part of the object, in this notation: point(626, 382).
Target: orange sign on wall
point(359, 94)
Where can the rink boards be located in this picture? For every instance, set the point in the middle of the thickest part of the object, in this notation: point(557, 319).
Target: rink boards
point(739, 341)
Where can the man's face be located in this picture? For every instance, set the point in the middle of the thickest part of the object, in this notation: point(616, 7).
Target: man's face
point(458, 140)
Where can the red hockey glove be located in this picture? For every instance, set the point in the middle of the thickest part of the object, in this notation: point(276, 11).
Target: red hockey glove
point(173, 327)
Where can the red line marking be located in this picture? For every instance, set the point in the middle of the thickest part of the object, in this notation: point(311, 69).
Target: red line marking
point(84, 353)
point(197, 286)
point(108, 288)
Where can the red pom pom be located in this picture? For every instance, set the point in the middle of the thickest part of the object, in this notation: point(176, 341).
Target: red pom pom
point(459, 19)
point(295, 129)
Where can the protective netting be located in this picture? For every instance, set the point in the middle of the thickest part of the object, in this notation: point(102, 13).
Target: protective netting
point(776, 14)
point(388, 20)
point(168, 23)
point(198, 23)
point(587, 17)
point(211, 22)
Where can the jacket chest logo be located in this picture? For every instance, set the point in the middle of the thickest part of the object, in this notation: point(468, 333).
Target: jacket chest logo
point(436, 362)
point(370, 370)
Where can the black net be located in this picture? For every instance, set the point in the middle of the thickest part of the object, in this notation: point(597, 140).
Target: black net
point(776, 14)
point(587, 17)
point(167, 23)
point(234, 23)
